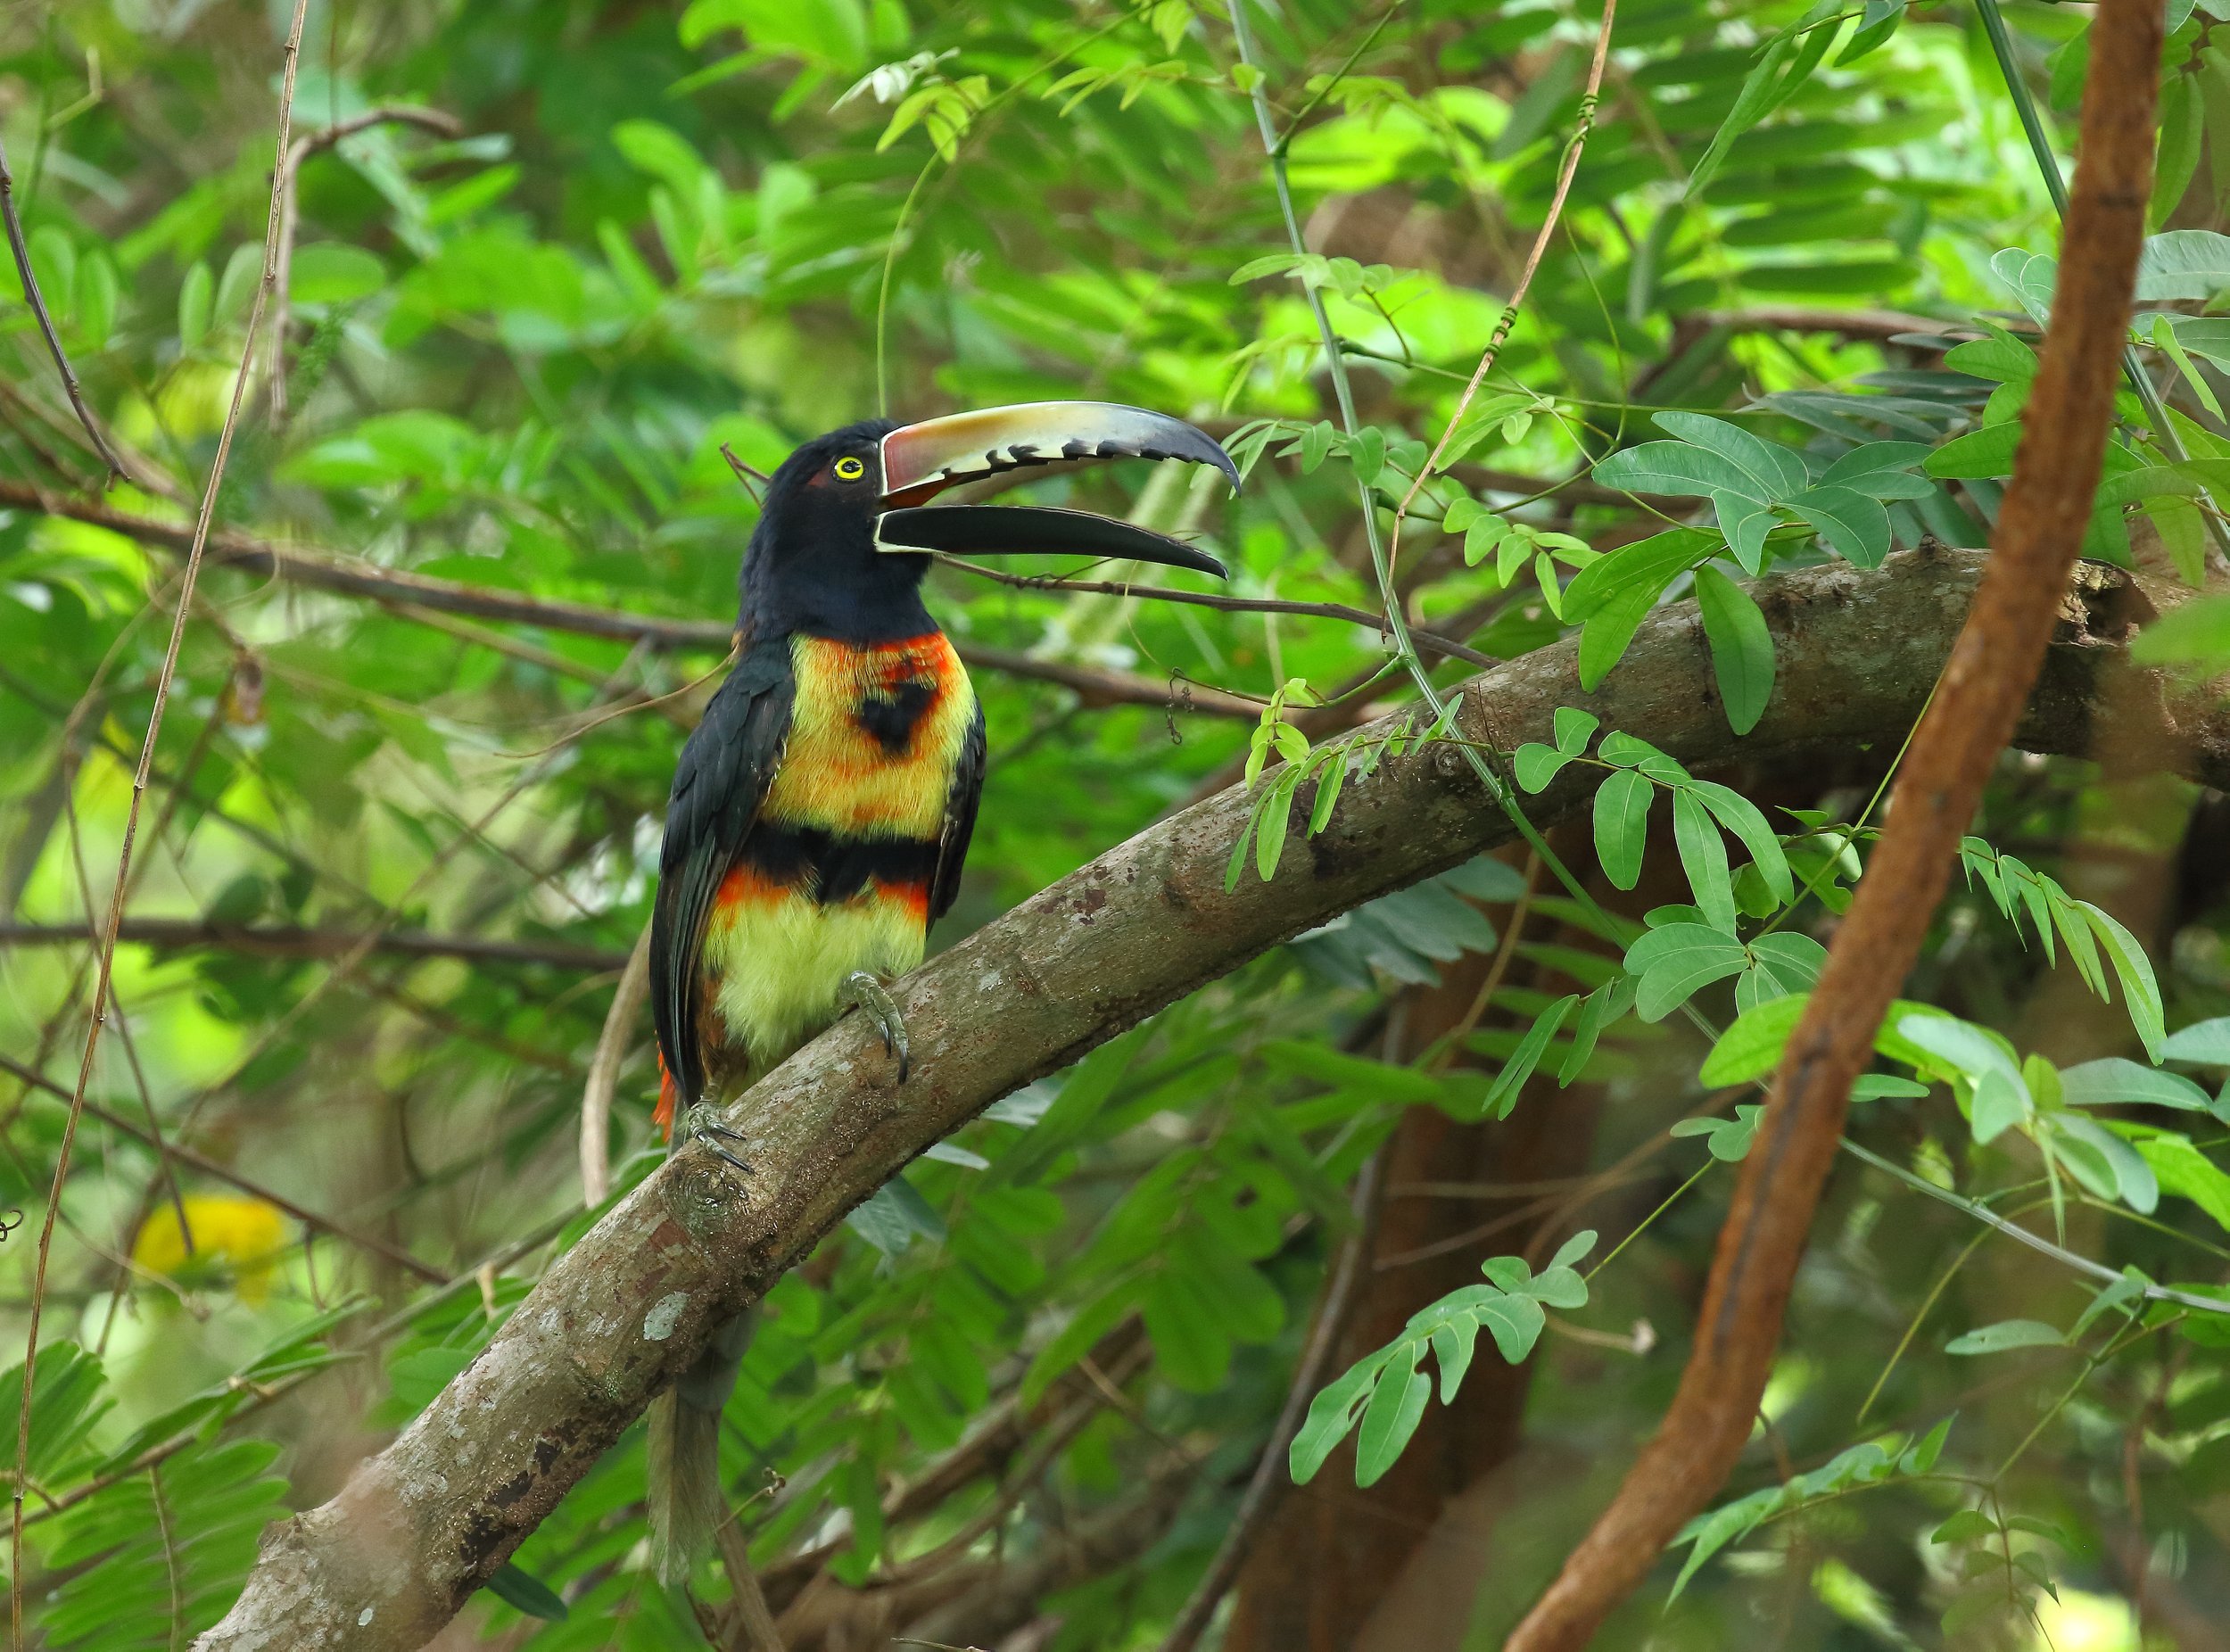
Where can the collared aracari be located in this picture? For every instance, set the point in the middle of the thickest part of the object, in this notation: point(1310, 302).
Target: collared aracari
point(823, 807)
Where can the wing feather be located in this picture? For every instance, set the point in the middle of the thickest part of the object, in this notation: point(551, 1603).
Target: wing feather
point(960, 818)
point(727, 765)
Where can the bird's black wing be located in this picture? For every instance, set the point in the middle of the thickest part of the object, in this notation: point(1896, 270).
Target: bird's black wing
point(960, 818)
point(726, 766)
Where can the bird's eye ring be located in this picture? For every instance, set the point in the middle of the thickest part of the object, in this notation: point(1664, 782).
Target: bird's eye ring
point(849, 469)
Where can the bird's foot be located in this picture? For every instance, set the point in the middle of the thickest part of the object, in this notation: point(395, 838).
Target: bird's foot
point(874, 1003)
point(701, 1123)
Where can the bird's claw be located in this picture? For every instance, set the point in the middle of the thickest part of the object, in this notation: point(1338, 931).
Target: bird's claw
point(875, 1003)
point(702, 1124)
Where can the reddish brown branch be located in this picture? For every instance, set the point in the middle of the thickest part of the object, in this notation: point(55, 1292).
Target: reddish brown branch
point(1976, 705)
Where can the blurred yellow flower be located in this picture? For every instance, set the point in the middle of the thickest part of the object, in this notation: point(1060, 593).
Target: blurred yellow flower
point(229, 1232)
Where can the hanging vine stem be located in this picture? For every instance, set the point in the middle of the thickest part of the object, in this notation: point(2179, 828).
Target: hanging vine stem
point(293, 56)
point(1397, 621)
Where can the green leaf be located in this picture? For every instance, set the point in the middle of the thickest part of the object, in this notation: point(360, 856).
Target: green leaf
point(1331, 1414)
point(1520, 1067)
point(1622, 825)
point(1704, 857)
point(1856, 526)
point(330, 272)
point(2182, 263)
point(1395, 1409)
point(1536, 765)
point(1752, 1048)
point(1741, 647)
point(1997, 1339)
point(2113, 1082)
point(1676, 960)
point(2203, 1044)
point(1751, 105)
point(1742, 817)
point(2140, 990)
point(1368, 453)
point(194, 307)
point(2032, 277)
point(1610, 596)
point(527, 1593)
point(1980, 454)
point(1964, 1526)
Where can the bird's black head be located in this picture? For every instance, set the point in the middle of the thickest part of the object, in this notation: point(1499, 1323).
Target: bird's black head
point(812, 565)
point(844, 534)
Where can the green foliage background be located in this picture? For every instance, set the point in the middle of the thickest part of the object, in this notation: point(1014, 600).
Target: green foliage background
point(514, 356)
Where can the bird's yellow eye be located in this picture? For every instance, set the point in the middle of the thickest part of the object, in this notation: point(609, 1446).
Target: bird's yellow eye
point(849, 469)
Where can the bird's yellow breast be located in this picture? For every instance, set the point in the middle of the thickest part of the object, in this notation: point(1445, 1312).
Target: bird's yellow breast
point(841, 771)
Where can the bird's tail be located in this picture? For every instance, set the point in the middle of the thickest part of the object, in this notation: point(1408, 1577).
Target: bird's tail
point(686, 1500)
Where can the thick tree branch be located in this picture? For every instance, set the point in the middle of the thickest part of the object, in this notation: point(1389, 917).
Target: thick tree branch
point(1971, 718)
point(420, 1526)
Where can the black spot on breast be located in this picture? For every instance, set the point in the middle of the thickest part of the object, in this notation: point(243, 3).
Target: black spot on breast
point(890, 717)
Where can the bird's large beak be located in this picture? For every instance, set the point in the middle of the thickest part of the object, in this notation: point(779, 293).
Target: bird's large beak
point(921, 460)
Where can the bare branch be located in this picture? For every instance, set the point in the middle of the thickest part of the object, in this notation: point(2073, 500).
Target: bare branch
point(611, 1049)
point(329, 571)
point(32, 296)
point(292, 941)
point(1221, 603)
point(437, 121)
point(1972, 716)
point(420, 1526)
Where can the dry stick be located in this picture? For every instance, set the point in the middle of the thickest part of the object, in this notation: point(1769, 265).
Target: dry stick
point(1972, 718)
point(47, 326)
point(131, 828)
point(290, 176)
point(1565, 175)
point(603, 1081)
point(1271, 1472)
point(165, 1170)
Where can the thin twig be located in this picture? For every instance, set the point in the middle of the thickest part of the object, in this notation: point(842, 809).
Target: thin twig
point(1271, 1473)
point(404, 593)
point(295, 941)
point(31, 295)
point(1972, 714)
point(435, 120)
point(603, 1080)
point(292, 54)
point(1222, 604)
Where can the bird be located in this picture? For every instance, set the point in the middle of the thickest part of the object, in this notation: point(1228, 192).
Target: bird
point(822, 807)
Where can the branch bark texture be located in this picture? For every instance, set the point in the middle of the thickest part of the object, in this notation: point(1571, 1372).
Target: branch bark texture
point(420, 1526)
point(1973, 716)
